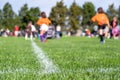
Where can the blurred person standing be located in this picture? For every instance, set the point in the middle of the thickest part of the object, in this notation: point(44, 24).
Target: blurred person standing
point(88, 32)
point(7, 32)
point(16, 30)
point(102, 21)
point(58, 31)
point(107, 32)
point(114, 31)
point(43, 22)
point(28, 31)
point(95, 29)
point(33, 30)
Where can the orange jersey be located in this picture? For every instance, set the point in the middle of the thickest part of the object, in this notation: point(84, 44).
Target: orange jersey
point(43, 21)
point(100, 19)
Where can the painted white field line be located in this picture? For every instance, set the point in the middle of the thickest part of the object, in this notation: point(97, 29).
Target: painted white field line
point(48, 66)
point(91, 70)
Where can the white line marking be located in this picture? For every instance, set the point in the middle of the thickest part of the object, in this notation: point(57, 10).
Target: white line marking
point(48, 67)
point(91, 70)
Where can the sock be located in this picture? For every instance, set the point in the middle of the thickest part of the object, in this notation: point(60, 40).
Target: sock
point(101, 38)
point(45, 36)
point(41, 38)
point(26, 36)
point(31, 37)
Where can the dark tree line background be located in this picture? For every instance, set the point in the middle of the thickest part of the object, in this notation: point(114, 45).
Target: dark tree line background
point(70, 18)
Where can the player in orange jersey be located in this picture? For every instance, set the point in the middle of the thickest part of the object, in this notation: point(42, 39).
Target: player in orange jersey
point(43, 22)
point(102, 21)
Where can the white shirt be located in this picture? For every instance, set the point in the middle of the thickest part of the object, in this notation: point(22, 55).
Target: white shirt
point(58, 28)
point(33, 28)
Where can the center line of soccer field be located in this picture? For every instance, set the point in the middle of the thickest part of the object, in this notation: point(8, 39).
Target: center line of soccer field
point(48, 66)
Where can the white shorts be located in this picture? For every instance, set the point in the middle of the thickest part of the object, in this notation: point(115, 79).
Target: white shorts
point(16, 33)
point(44, 27)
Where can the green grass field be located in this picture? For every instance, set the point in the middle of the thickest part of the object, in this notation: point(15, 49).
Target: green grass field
point(77, 58)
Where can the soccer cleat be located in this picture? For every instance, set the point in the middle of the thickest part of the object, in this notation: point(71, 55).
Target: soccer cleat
point(102, 42)
point(46, 40)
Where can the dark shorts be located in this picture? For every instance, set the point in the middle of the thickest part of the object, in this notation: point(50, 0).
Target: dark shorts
point(102, 26)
